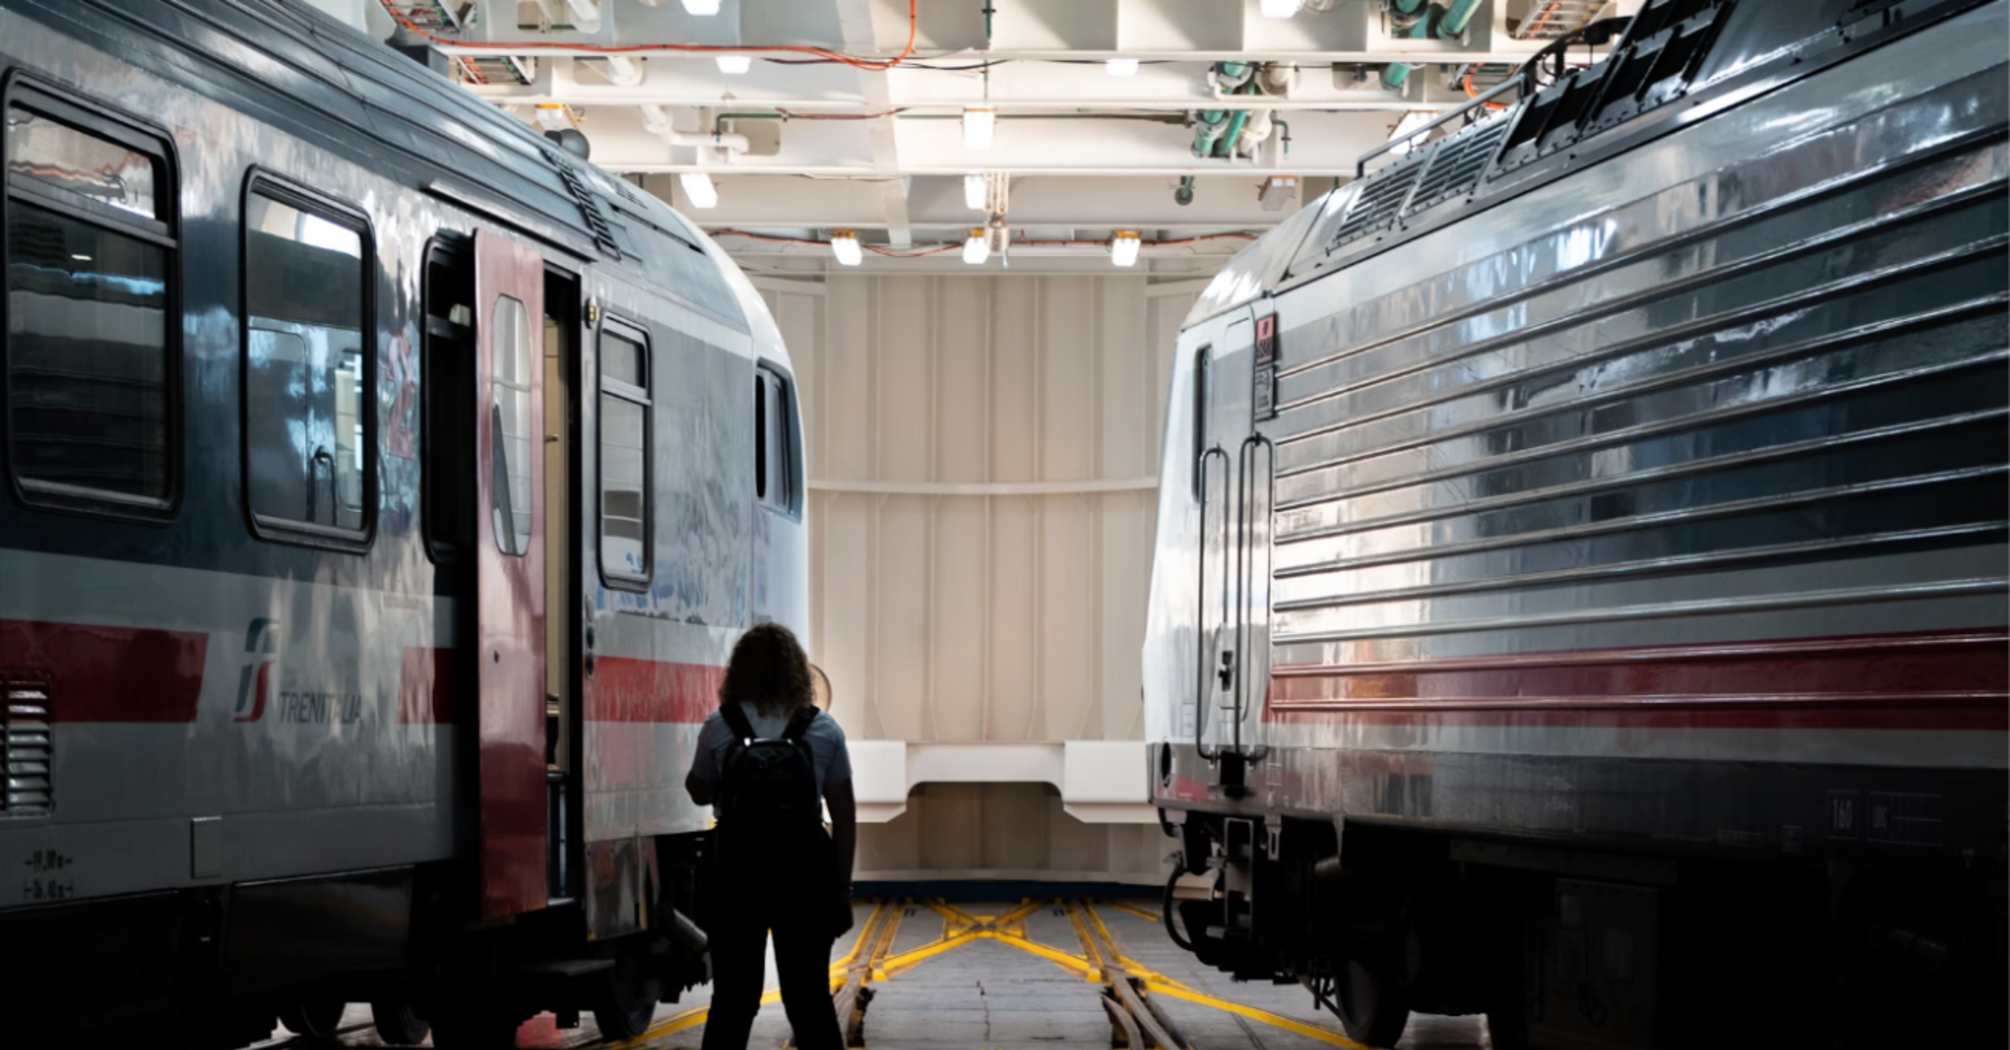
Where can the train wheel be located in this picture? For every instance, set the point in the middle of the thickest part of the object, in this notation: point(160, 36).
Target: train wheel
point(398, 1025)
point(1372, 1000)
point(316, 1020)
point(626, 1009)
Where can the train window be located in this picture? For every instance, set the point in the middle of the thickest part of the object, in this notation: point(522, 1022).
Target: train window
point(1202, 376)
point(307, 366)
point(774, 438)
point(510, 424)
point(447, 405)
point(91, 338)
point(624, 456)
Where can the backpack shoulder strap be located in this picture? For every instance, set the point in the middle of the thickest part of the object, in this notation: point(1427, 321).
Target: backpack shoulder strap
point(736, 720)
point(800, 724)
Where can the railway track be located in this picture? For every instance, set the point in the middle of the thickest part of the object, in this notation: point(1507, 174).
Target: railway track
point(1128, 991)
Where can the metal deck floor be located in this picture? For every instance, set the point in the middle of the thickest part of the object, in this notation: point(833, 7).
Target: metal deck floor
point(991, 995)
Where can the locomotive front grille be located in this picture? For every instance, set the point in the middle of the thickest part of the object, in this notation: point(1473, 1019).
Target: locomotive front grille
point(26, 742)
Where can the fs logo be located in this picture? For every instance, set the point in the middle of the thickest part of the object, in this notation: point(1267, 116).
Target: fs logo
point(254, 686)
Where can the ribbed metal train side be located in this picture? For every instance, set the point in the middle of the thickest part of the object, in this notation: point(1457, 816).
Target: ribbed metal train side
point(1644, 529)
point(1735, 445)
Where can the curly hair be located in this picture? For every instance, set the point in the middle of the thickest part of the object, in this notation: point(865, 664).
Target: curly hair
point(768, 670)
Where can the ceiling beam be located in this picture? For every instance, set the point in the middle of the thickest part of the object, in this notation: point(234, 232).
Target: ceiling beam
point(936, 208)
point(855, 18)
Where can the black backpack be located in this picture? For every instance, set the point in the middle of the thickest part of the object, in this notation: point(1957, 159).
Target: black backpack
point(770, 811)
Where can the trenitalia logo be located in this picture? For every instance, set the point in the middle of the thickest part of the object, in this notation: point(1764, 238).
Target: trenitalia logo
point(253, 686)
point(296, 706)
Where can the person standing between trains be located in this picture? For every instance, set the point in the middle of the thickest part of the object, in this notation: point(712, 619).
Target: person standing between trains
point(764, 759)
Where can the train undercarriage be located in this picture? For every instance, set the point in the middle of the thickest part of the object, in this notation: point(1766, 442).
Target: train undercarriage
point(215, 968)
point(1576, 944)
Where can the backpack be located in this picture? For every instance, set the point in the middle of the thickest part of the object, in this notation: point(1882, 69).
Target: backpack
point(770, 810)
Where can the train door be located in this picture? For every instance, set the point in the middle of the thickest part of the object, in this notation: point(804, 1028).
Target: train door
point(564, 309)
point(1235, 465)
point(509, 577)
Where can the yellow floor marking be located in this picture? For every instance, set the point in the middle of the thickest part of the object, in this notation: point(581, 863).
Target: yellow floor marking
point(951, 911)
point(1162, 984)
point(1134, 910)
point(1175, 990)
point(907, 960)
point(960, 928)
point(858, 945)
point(1064, 960)
point(875, 965)
point(679, 1022)
point(1097, 960)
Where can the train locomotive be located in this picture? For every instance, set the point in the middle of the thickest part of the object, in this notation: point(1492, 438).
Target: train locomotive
point(386, 487)
point(1579, 593)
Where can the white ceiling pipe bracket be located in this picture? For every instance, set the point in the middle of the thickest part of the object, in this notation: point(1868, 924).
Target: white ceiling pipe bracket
point(657, 120)
point(624, 70)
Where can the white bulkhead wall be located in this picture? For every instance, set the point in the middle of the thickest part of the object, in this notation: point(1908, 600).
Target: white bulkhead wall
point(983, 455)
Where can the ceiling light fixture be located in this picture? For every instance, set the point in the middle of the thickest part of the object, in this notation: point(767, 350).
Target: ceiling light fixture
point(976, 191)
point(975, 251)
point(734, 65)
point(1124, 248)
point(553, 116)
point(701, 8)
point(699, 189)
point(978, 124)
point(844, 245)
point(1121, 67)
point(1271, 8)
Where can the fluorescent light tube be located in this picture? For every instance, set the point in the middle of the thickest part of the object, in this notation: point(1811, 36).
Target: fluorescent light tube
point(698, 188)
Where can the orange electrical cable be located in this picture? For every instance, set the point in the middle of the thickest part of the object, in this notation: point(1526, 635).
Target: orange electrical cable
point(1467, 83)
point(874, 248)
point(871, 65)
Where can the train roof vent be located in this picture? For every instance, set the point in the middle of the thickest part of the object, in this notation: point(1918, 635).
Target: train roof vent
point(1653, 64)
point(589, 203)
point(627, 191)
point(1379, 201)
point(26, 745)
point(1454, 166)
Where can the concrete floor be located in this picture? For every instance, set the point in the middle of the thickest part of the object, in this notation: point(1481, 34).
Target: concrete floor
point(989, 995)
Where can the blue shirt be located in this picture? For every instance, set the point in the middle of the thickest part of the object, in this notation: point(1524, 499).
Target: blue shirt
point(826, 740)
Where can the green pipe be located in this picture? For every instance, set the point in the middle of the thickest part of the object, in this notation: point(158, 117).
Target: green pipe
point(1227, 142)
point(1456, 17)
point(1408, 12)
point(1395, 73)
point(1284, 129)
point(719, 122)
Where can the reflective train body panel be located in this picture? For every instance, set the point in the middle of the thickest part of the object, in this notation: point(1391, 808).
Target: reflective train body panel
point(383, 503)
point(1644, 493)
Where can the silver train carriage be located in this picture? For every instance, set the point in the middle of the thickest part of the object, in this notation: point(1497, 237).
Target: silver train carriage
point(385, 489)
point(1579, 592)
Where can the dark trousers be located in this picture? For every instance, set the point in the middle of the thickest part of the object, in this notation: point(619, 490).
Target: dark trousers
point(738, 931)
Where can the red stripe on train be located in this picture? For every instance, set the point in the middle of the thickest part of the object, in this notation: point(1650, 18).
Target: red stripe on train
point(629, 690)
point(1927, 680)
point(99, 673)
point(621, 689)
